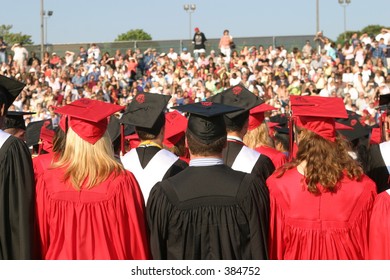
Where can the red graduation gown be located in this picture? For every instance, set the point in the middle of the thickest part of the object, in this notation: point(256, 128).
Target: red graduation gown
point(380, 228)
point(326, 226)
point(277, 157)
point(105, 222)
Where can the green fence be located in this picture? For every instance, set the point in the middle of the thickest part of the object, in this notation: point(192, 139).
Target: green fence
point(289, 42)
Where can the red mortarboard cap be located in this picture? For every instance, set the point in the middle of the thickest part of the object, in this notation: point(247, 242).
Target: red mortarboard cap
point(206, 120)
point(145, 109)
point(47, 135)
point(89, 118)
point(317, 114)
point(133, 140)
point(10, 89)
point(376, 136)
point(175, 128)
point(256, 115)
point(237, 96)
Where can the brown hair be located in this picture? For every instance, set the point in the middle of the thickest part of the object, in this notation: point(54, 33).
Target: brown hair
point(196, 147)
point(326, 162)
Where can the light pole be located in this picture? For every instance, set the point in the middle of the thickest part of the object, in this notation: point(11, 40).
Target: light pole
point(49, 14)
point(345, 3)
point(190, 8)
point(42, 30)
point(317, 16)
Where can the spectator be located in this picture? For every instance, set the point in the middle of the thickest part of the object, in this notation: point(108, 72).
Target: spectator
point(225, 44)
point(199, 41)
point(3, 50)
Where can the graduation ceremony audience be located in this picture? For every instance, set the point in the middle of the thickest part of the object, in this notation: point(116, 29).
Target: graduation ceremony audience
point(273, 177)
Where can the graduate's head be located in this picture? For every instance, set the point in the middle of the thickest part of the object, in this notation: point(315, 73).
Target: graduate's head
point(9, 90)
point(206, 130)
point(88, 150)
point(258, 133)
point(146, 113)
point(323, 153)
point(14, 123)
point(241, 97)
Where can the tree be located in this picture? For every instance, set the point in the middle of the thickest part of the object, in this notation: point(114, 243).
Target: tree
point(12, 38)
point(133, 34)
point(371, 30)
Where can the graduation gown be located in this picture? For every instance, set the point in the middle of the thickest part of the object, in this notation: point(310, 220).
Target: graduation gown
point(16, 200)
point(210, 212)
point(304, 226)
point(146, 154)
point(263, 167)
point(277, 157)
point(377, 169)
point(105, 222)
point(380, 228)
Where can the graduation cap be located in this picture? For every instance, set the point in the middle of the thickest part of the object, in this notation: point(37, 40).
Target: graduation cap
point(384, 100)
point(237, 96)
point(15, 119)
point(113, 128)
point(87, 117)
point(33, 131)
point(175, 128)
point(145, 110)
point(9, 90)
point(256, 115)
point(206, 120)
point(317, 114)
point(356, 131)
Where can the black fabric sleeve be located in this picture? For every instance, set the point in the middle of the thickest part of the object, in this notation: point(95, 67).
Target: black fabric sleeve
point(254, 200)
point(17, 201)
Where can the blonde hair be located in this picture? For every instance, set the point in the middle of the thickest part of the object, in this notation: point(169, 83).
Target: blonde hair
point(86, 164)
point(258, 137)
point(326, 162)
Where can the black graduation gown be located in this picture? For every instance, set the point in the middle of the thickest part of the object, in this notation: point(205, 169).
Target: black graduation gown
point(377, 170)
point(145, 154)
point(263, 168)
point(211, 212)
point(16, 201)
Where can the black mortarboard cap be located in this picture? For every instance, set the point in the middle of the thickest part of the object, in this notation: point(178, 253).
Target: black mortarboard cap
point(33, 131)
point(15, 119)
point(114, 129)
point(384, 100)
point(206, 120)
point(358, 130)
point(10, 89)
point(145, 109)
point(237, 96)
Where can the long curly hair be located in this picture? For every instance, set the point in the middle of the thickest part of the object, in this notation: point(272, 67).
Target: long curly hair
point(326, 162)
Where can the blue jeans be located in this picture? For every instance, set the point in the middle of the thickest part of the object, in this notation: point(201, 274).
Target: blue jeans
point(3, 57)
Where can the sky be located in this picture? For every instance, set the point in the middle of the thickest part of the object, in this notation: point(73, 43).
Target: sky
point(86, 21)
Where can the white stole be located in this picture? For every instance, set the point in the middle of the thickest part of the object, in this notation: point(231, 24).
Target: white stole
point(3, 137)
point(385, 151)
point(154, 170)
point(245, 160)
